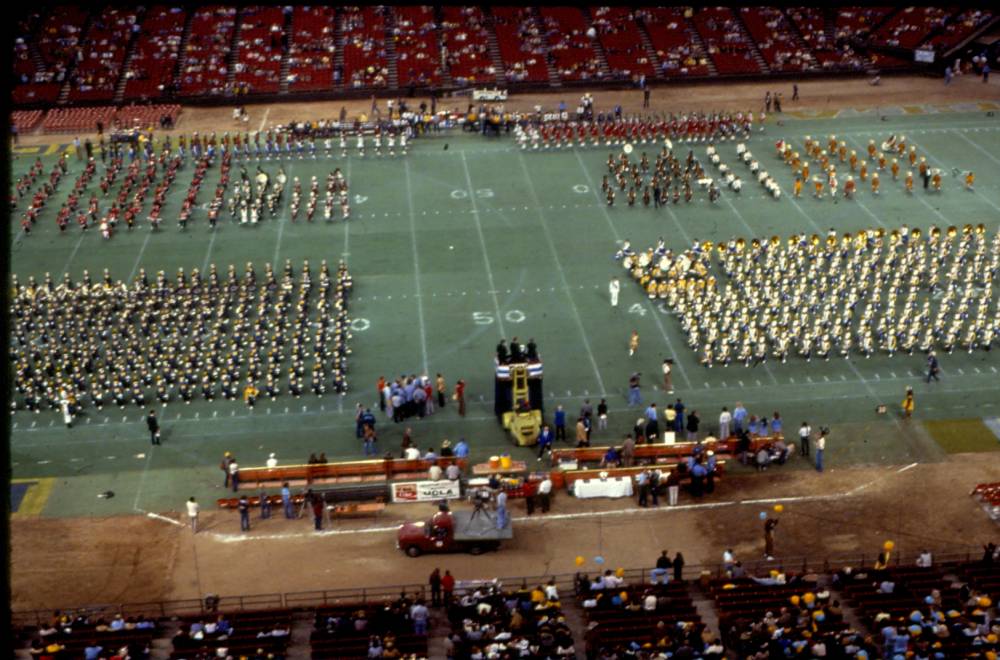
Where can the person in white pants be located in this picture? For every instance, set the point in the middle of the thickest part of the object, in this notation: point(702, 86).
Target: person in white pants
point(613, 289)
point(193, 508)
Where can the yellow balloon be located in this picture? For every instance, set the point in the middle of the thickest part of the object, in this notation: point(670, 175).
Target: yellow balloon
point(580, 560)
point(624, 595)
point(809, 598)
point(778, 508)
point(888, 546)
point(620, 572)
point(795, 600)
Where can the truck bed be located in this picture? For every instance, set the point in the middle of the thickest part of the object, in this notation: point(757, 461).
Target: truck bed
point(479, 528)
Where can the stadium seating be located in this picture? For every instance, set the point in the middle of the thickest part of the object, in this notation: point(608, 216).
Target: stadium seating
point(777, 42)
point(909, 26)
point(958, 27)
point(311, 49)
point(259, 49)
point(26, 120)
point(366, 62)
point(76, 120)
point(99, 65)
point(727, 43)
point(145, 116)
point(466, 39)
point(204, 71)
point(622, 42)
point(672, 36)
point(828, 53)
point(250, 631)
point(612, 626)
point(345, 631)
point(571, 49)
point(56, 42)
point(150, 72)
point(857, 22)
point(202, 51)
point(418, 55)
point(521, 44)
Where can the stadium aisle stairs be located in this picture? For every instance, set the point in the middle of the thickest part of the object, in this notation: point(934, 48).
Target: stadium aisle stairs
point(576, 621)
point(163, 644)
point(705, 606)
point(298, 643)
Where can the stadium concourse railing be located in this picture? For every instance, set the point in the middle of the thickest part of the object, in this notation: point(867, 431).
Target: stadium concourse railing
point(309, 600)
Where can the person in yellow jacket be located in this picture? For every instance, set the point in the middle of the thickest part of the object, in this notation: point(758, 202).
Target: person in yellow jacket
point(798, 187)
point(970, 179)
point(909, 182)
point(250, 393)
point(633, 343)
point(908, 403)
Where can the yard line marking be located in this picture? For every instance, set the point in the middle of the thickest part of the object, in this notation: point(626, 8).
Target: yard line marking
point(961, 372)
point(617, 236)
point(142, 479)
point(562, 273)
point(138, 257)
point(263, 119)
point(347, 224)
point(808, 217)
point(73, 253)
point(988, 155)
point(908, 467)
point(482, 243)
point(738, 215)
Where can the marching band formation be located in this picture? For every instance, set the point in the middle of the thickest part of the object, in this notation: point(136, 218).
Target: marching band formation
point(818, 297)
point(875, 163)
point(694, 127)
point(96, 343)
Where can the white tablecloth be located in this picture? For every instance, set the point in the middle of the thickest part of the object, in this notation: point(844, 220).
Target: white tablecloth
point(611, 487)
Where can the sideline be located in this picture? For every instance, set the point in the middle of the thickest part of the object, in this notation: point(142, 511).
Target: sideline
point(223, 537)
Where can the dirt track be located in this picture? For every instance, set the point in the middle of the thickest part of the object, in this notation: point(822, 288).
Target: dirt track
point(671, 97)
point(64, 563)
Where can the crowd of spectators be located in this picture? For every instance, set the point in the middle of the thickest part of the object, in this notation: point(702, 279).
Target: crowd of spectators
point(366, 62)
point(259, 49)
point(488, 622)
point(522, 45)
point(466, 46)
point(150, 72)
point(571, 50)
point(418, 54)
point(206, 59)
point(101, 55)
point(312, 49)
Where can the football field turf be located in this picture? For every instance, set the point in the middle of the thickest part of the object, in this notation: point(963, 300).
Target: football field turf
point(451, 249)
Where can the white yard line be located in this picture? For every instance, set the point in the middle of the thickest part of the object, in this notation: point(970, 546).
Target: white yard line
point(142, 479)
point(72, 254)
point(263, 119)
point(482, 244)
point(562, 273)
point(138, 257)
point(416, 266)
point(738, 214)
point(614, 232)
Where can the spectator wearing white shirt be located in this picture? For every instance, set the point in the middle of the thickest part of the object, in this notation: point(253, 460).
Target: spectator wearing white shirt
point(649, 602)
point(725, 417)
point(926, 559)
point(453, 472)
point(545, 493)
point(411, 453)
point(434, 473)
point(192, 510)
point(272, 462)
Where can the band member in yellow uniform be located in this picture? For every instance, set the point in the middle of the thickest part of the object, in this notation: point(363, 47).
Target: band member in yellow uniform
point(633, 343)
point(895, 169)
point(875, 183)
point(909, 182)
point(854, 160)
point(798, 187)
point(863, 174)
point(970, 179)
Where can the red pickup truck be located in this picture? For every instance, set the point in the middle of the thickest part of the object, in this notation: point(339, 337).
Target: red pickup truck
point(461, 531)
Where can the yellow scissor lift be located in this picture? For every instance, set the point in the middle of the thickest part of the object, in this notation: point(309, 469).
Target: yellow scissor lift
point(523, 422)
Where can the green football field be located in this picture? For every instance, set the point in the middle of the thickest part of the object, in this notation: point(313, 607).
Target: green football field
point(452, 249)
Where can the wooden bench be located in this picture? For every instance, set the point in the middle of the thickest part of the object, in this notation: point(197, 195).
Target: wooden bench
point(383, 469)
